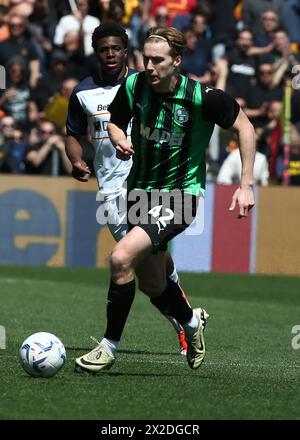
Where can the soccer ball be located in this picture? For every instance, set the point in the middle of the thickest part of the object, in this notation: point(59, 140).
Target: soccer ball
point(42, 354)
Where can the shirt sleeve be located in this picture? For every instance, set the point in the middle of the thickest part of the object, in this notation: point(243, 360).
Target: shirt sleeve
point(219, 107)
point(120, 111)
point(76, 119)
point(32, 53)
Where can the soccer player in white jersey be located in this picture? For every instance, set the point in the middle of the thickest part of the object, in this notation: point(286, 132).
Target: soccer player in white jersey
point(88, 112)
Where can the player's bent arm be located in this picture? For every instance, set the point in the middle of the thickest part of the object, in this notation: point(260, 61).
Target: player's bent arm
point(74, 152)
point(246, 135)
point(65, 160)
point(116, 133)
point(119, 140)
point(73, 148)
point(244, 195)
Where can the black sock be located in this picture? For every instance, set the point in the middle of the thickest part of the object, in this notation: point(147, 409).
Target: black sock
point(171, 302)
point(119, 300)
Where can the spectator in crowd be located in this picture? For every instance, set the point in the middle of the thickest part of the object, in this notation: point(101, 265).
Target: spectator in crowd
point(21, 7)
point(16, 99)
point(199, 24)
point(79, 21)
point(159, 19)
point(195, 60)
point(293, 165)
point(223, 25)
point(258, 96)
point(41, 22)
point(59, 8)
point(57, 107)
point(296, 107)
point(198, 18)
point(41, 26)
point(139, 22)
point(252, 11)
point(51, 81)
point(181, 21)
point(99, 9)
point(76, 61)
point(270, 23)
point(291, 16)
point(19, 43)
point(197, 57)
point(131, 7)
point(230, 171)
point(218, 73)
point(116, 13)
point(182, 7)
point(4, 30)
point(242, 66)
point(282, 56)
point(271, 135)
point(46, 153)
point(12, 147)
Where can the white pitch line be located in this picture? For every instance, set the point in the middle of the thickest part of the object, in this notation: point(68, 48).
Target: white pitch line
point(24, 281)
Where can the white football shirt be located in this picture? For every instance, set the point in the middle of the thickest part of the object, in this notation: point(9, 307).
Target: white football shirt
point(88, 110)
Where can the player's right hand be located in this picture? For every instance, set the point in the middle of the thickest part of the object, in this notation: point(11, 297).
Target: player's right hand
point(81, 171)
point(244, 198)
point(124, 150)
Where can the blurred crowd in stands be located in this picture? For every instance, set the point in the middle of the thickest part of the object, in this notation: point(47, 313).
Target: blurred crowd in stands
point(250, 48)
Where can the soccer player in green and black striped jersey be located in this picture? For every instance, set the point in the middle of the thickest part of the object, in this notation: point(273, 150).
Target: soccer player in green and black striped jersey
point(173, 119)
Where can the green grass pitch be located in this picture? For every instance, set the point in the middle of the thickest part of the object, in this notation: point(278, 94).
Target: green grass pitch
point(250, 371)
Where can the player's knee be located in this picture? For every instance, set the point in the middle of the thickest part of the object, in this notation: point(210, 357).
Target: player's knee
point(119, 260)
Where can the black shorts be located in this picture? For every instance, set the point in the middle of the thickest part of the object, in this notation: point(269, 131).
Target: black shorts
point(162, 215)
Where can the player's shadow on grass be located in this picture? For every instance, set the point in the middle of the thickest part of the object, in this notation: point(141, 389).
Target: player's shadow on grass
point(117, 374)
point(138, 352)
point(113, 374)
point(157, 353)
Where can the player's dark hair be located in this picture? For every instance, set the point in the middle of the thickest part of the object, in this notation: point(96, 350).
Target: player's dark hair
point(174, 38)
point(109, 30)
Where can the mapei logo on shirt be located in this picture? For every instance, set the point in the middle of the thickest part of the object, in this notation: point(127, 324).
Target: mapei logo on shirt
point(160, 136)
point(181, 115)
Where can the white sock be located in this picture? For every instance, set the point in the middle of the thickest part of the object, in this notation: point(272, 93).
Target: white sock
point(192, 325)
point(178, 328)
point(111, 345)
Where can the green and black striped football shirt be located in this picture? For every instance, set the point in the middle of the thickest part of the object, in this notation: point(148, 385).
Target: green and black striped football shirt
point(171, 131)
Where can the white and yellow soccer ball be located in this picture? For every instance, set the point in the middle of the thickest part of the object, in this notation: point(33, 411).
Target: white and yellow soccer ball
point(42, 354)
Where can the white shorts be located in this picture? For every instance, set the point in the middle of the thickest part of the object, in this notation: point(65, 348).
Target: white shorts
point(113, 213)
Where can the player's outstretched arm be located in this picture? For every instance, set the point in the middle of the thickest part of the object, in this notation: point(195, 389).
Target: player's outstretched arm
point(244, 195)
point(80, 169)
point(124, 149)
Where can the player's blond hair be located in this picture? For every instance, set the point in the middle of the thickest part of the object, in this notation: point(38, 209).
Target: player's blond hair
point(172, 36)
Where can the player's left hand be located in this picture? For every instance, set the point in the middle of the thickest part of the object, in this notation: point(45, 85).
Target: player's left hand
point(244, 197)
